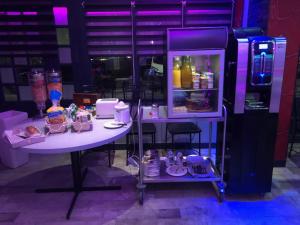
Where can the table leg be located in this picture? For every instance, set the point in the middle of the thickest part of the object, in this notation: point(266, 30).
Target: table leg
point(78, 179)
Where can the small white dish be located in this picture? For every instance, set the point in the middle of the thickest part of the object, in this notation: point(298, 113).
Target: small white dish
point(176, 171)
point(113, 125)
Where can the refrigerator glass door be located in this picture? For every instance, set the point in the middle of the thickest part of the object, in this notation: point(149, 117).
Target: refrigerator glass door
point(195, 83)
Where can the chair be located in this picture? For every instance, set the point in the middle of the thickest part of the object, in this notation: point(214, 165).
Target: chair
point(129, 88)
point(183, 128)
point(295, 126)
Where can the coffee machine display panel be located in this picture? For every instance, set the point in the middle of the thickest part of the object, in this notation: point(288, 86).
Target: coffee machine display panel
point(262, 61)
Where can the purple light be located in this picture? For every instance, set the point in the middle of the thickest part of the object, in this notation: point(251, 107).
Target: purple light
point(159, 13)
point(108, 33)
point(209, 12)
point(110, 24)
point(10, 13)
point(13, 13)
point(60, 15)
point(29, 13)
point(107, 13)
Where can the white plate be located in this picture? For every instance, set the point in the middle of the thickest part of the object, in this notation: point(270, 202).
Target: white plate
point(113, 125)
point(176, 171)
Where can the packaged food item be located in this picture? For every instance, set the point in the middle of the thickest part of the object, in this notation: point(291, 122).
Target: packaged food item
point(83, 116)
point(203, 81)
point(196, 80)
point(210, 79)
point(56, 115)
point(23, 136)
point(32, 131)
point(82, 122)
point(56, 119)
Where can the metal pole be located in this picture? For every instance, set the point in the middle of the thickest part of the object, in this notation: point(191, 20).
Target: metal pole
point(140, 138)
point(209, 139)
point(223, 142)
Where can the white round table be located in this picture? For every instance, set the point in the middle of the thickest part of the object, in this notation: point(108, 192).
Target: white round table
point(74, 143)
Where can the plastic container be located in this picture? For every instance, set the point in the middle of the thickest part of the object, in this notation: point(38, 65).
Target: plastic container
point(10, 157)
point(54, 82)
point(38, 87)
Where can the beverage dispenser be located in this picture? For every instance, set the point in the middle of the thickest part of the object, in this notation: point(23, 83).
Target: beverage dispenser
point(252, 90)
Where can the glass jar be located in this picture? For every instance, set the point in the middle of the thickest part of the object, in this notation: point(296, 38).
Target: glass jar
point(54, 82)
point(38, 87)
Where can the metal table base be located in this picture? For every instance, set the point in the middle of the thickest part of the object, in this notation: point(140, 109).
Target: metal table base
point(78, 179)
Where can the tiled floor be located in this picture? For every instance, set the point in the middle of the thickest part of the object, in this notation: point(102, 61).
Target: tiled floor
point(164, 204)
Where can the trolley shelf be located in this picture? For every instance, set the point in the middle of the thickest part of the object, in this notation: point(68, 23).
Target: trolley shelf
point(166, 178)
point(163, 118)
point(216, 179)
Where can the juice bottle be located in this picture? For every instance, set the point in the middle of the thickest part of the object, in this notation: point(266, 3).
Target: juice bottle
point(186, 73)
point(176, 73)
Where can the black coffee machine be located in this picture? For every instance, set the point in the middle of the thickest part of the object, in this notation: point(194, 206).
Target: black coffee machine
point(252, 90)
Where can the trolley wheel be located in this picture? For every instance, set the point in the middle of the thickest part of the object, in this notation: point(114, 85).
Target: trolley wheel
point(141, 197)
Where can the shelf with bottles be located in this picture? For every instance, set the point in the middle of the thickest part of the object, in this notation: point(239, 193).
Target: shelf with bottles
point(194, 72)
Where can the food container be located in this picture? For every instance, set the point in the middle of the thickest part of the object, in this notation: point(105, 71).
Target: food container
point(122, 113)
point(210, 79)
point(203, 81)
point(54, 82)
point(82, 126)
point(196, 80)
point(56, 128)
point(154, 111)
point(151, 162)
point(38, 87)
point(82, 122)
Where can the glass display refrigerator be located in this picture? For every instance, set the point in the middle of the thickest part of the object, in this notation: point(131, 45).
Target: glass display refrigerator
point(196, 71)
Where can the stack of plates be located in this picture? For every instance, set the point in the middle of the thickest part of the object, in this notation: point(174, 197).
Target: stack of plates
point(151, 163)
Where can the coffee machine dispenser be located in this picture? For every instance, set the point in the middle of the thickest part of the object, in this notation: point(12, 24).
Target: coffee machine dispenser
point(252, 91)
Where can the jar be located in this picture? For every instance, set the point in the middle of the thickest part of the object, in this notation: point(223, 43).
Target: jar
point(38, 87)
point(203, 81)
point(54, 82)
point(210, 79)
point(196, 81)
point(154, 111)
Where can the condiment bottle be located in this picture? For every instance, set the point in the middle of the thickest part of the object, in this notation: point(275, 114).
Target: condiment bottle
point(186, 73)
point(176, 73)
